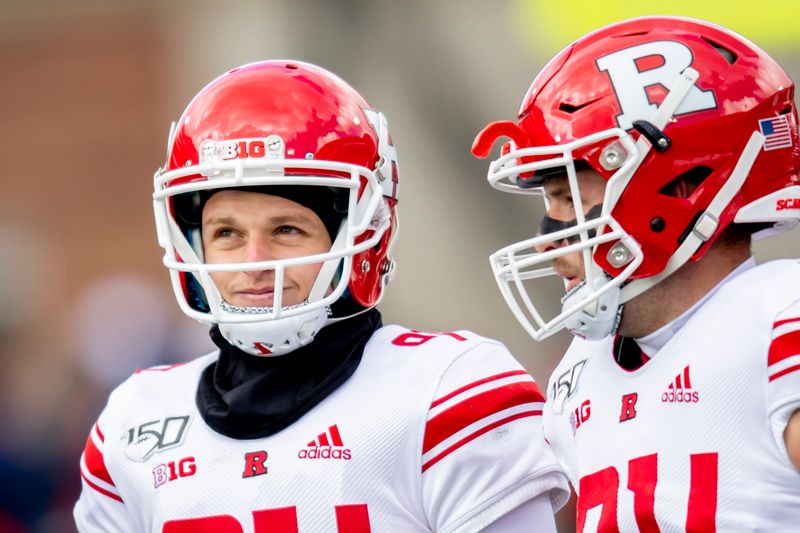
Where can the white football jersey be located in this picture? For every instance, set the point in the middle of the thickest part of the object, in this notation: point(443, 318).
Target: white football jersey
point(693, 439)
point(433, 432)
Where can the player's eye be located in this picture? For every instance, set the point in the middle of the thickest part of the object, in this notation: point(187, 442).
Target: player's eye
point(288, 230)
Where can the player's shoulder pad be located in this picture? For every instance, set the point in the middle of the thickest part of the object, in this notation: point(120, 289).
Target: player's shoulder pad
point(761, 293)
point(778, 279)
point(433, 344)
point(143, 379)
point(578, 354)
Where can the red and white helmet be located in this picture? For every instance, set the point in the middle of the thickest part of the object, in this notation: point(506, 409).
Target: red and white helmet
point(287, 124)
point(646, 102)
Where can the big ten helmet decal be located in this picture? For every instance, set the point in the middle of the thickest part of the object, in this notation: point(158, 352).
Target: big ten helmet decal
point(648, 103)
point(295, 127)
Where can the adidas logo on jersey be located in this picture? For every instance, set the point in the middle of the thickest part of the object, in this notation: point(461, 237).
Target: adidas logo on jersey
point(327, 445)
point(680, 390)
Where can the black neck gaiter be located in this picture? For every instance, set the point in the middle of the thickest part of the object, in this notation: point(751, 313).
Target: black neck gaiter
point(243, 396)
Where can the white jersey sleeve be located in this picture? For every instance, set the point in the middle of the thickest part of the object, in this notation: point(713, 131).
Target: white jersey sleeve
point(100, 507)
point(784, 372)
point(483, 452)
point(538, 512)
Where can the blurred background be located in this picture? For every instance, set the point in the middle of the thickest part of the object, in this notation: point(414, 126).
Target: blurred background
point(89, 88)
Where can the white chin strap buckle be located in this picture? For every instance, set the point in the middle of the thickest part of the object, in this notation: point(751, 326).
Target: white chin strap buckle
point(600, 317)
point(275, 337)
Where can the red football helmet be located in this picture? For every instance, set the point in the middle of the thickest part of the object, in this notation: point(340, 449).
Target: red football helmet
point(645, 103)
point(297, 127)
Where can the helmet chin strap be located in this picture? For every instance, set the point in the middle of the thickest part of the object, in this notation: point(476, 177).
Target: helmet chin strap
point(707, 223)
point(269, 338)
point(598, 319)
point(680, 90)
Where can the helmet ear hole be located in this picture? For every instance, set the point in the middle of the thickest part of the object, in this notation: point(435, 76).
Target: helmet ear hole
point(685, 184)
point(188, 208)
point(195, 295)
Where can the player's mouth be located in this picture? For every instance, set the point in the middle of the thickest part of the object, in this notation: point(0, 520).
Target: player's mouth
point(570, 277)
point(254, 297)
point(570, 282)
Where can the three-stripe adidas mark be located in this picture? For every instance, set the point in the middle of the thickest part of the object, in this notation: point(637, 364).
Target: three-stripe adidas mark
point(327, 445)
point(680, 390)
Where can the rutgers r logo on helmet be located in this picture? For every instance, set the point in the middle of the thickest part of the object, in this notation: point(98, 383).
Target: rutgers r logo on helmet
point(640, 72)
point(692, 128)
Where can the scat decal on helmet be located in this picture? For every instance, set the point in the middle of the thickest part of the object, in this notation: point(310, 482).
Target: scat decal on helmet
point(287, 125)
point(645, 103)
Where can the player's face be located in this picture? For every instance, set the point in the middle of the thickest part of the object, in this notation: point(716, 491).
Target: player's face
point(561, 213)
point(242, 227)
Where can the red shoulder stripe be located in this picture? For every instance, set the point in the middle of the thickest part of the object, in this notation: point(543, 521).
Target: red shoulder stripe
point(787, 321)
point(783, 372)
point(94, 461)
point(101, 490)
point(784, 346)
point(475, 408)
point(475, 384)
point(158, 368)
point(476, 434)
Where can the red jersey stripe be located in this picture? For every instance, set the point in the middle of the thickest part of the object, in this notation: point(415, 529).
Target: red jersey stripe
point(476, 434)
point(94, 461)
point(99, 433)
point(477, 383)
point(787, 321)
point(783, 372)
point(101, 490)
point(783, 347)
point(475, 408)
point(163, 368)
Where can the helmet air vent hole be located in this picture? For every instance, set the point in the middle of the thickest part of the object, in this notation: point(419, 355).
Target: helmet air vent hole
point(571, 108)
point(291, 66)
point(630, 34)
point(727, 54)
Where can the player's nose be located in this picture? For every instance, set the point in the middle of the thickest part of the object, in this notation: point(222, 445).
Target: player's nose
point(258, 250)
point(548, 226)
